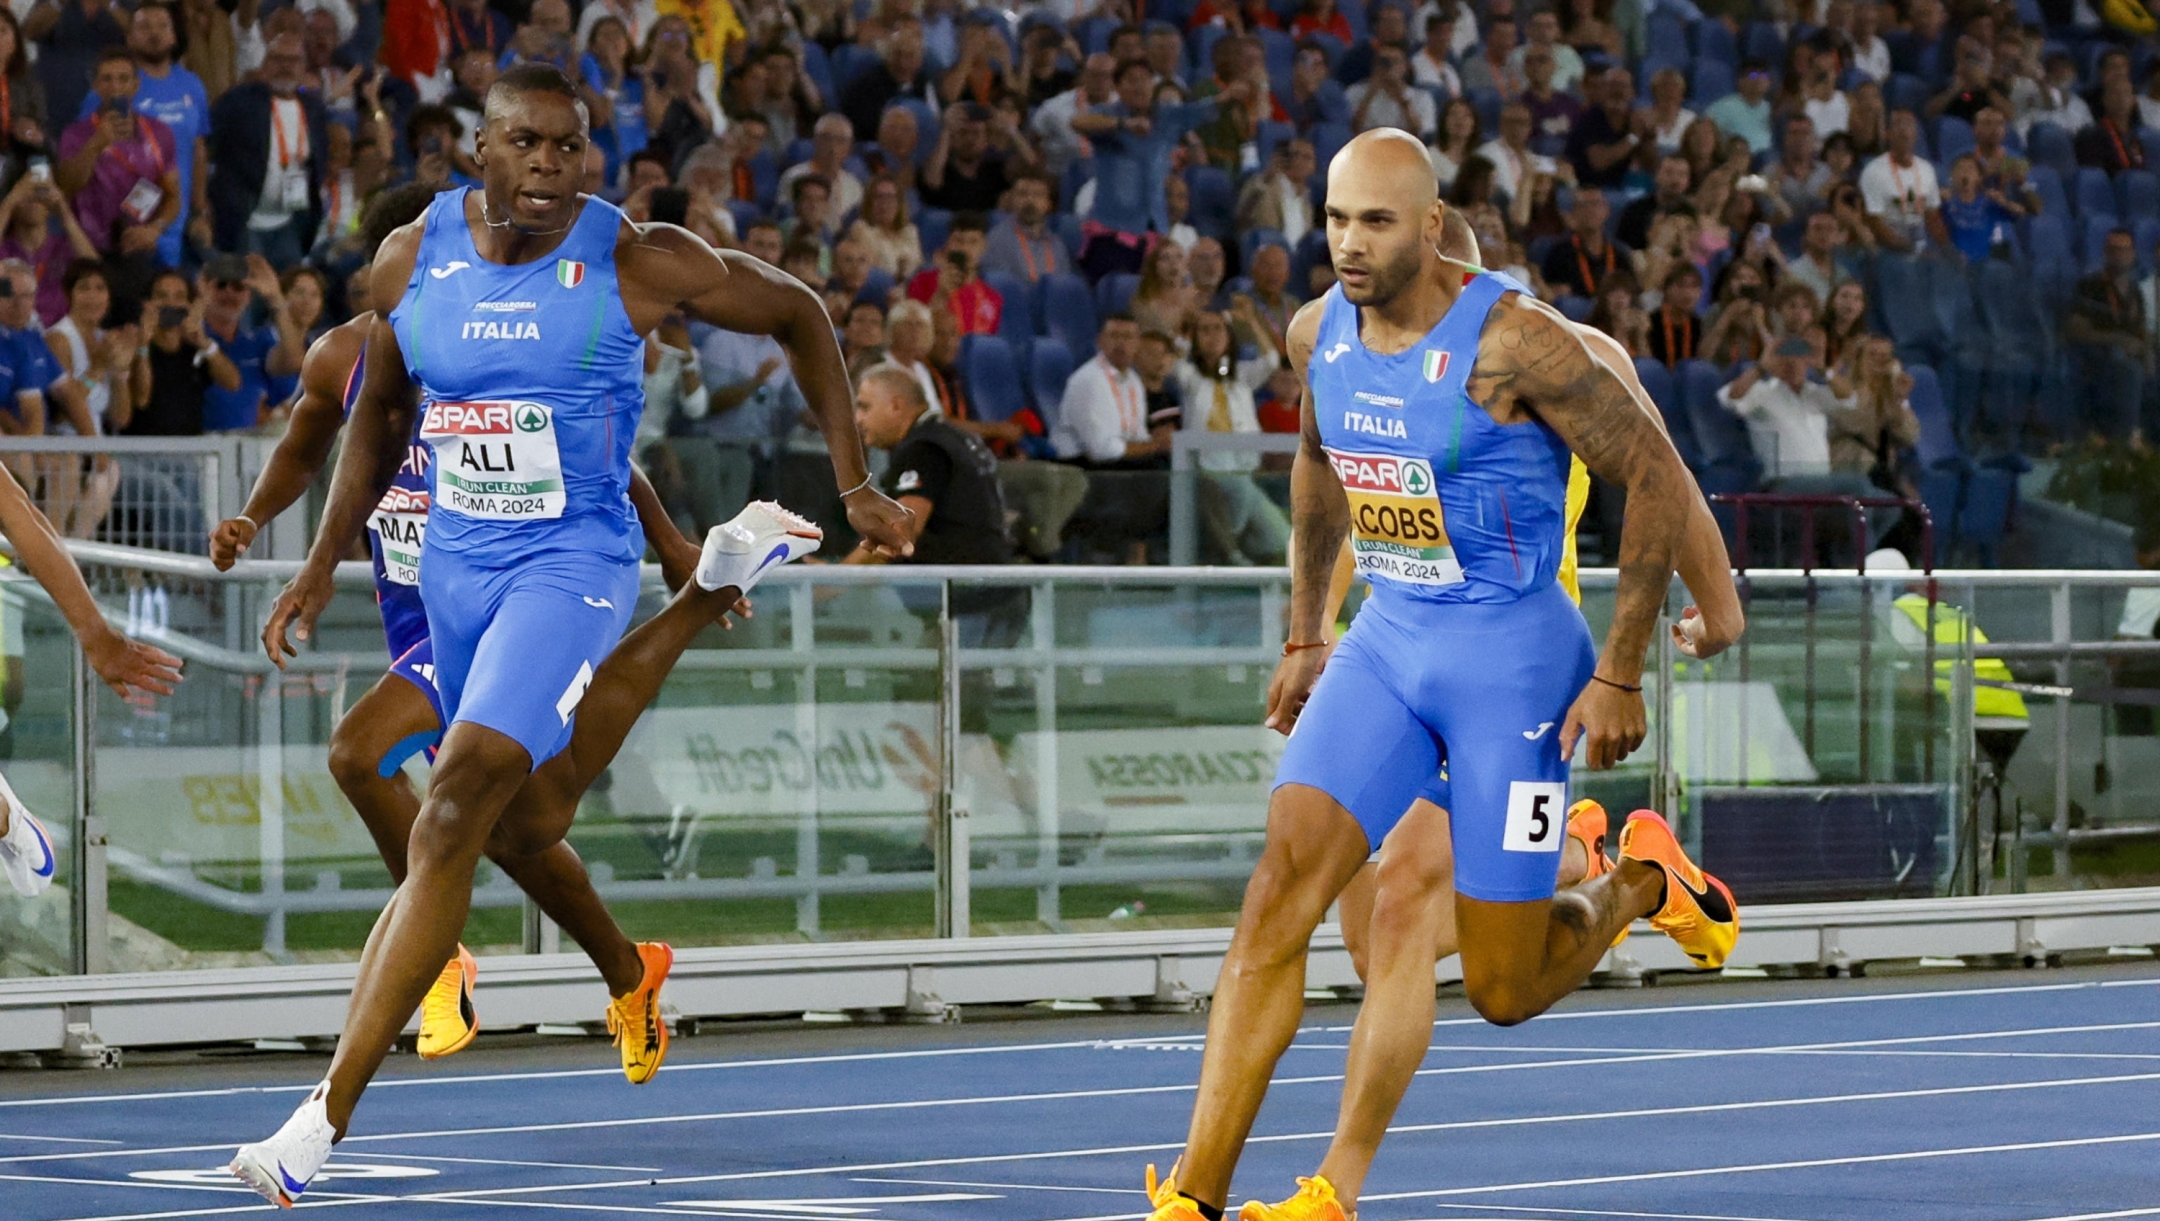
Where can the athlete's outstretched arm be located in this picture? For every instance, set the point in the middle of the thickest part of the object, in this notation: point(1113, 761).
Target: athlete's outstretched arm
point(1716, 620)
point(381, 423)
point(121, 662)
point(1319, 521)
point(301, 452)
point(1532, 363)
point(669, 268)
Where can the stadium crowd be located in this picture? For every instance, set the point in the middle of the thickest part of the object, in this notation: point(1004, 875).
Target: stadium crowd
point(1855, 246)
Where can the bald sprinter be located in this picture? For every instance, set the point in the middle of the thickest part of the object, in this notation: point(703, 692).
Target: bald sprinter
point(1438, 424)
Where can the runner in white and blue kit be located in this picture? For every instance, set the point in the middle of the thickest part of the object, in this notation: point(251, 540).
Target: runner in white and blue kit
point(516, 346)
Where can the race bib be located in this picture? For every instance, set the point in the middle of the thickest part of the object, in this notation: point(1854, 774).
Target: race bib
point(400, 526)
point(1397, 529)
point(495, 460)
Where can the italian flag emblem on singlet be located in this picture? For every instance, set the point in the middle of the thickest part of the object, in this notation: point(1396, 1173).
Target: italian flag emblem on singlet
point(1435, 366)
point(569, 273)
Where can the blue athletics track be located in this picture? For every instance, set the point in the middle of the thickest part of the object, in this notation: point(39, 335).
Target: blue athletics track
point(1966, 1095)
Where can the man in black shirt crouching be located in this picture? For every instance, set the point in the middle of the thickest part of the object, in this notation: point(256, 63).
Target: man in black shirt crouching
point(949, 479)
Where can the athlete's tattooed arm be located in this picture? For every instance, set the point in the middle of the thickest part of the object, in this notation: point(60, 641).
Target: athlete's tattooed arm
point(1532, 364)
point(664, 268)
point(375, 444)
point(1319, 521)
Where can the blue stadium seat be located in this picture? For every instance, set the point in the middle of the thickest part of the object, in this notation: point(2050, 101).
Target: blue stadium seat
point(1657, 381)
point(1667, 38)
point(2049, 186)
point(1938, 434)
point(1941, 488)
point(1017, 324)
point(2150, 138)
point(1049, 365)
point(1983, 518)
point(1078, 173)
point(1310, 253)
point(1711, 79)
point(850, 60)
point(1906, 298)
point(2092, 192)
point(745, 212)
point(1068, 228)
point(798, 151)
point(765, 178)
point(2051, 146)
point(1714, 40)
point(878, 284)
point(1069, 313)
point(1269, 134)
point(1721, 436)
point(1213, 200)
point(1093, 34)
point(992, 376)
point(1487, 104)
point(2137, 194)
point(1200, 64)
point(1328, 139)
point(2047, 236)
point(1953, 139)
point(2096, 227)
point(1577, 309)
point(1905, 93)
point(2017, 345)
point(933, 225)
point(2148, 239)
point(1761, 40)
point(1278, 50)
point(818, 67)
point(1114, 293)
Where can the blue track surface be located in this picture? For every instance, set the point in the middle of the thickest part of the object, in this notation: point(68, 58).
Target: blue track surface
point(1984, 1097)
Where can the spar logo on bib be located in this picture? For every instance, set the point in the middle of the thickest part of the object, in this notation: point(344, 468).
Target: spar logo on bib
point(1397, 527)
point(400, 526)
point(496, 460)
point(569, 273)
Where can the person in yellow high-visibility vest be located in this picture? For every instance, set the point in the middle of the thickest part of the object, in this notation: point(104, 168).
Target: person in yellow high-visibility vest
point(1999, 715)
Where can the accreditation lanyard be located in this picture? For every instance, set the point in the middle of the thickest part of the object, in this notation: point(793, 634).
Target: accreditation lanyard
point(1590, 282)
point(1673, 354)
point(287, 155)
point(1131, 406)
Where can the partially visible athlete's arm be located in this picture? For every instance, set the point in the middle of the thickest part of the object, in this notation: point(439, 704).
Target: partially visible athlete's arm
point(1703, 564)
point(1338, 585)
point(121, 662)
point(668, 268)
point(1532, 363)
point(301, 452)
point(678, 555)
point(381, 424)
point(1319, 521)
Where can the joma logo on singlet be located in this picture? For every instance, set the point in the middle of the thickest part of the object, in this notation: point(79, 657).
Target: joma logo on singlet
point(501, 330)
point(492, 418)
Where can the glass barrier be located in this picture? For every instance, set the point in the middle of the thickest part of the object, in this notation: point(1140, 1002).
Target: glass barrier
point(900, 753)
point(40, 936)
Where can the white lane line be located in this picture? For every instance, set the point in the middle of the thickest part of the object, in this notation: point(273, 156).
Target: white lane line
point(257, 1207)
point(1166, 1146)
point(1000, 1049)
point(1113, 1191)
point(2123, 1212)
point(496, 1161)
point(62, 1140)
point(1601, 1212)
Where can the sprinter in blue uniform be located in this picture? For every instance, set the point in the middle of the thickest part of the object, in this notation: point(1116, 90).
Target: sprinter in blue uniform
point(1441, 405)
point(515, 348)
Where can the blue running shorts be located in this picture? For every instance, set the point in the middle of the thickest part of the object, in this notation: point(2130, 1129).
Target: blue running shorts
point(404, 618)
point(1480, 687)
point(416, 665)
point(516, 646)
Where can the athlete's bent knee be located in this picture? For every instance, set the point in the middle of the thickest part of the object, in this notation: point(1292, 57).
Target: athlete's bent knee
point(1502, 1002)
point(352, 761)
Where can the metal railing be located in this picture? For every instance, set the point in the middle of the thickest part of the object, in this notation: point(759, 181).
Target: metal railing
point(157, 493)
point(965, 751)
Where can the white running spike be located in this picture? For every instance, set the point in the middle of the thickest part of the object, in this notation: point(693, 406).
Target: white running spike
point(281, 1167)
point(762, 536)
point(26, 851)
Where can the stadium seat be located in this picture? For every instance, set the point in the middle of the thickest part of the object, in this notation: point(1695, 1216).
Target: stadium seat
point(745, 212)
point(1714, 41)
point(1093, 34)
point(1487, 104)
point(1658, 383)
point(1310, 253)
point(1941, 488)
point(2137, 195)
point(1953, 139)
point(1761, 40)
point(1114, 293)
point(1328, 138)
point(1576, 308)
point(1068, 228)
point(1213, 200)
point(993, 377)
point(1984, 516)
point(850, 60)
point(2148, 239)
point(1907, 301)
point(2050, 146)
point(1017, 324)
point(2096, 227)
point(1078, 173)
point(1667, 38)
point(1050, 363)
point(1069, 313)
point(1938, 435)
point(1269, 134)
point(1710, 79)
point(2049, 186)
point(1905, 93)
point(933, 226)
point(2016, 346)
point(798, 151)
point(1721, 435)
point(2091, 192)
point(2047, 236)
point(1201, 43)
point(2150, 138)
point(818, 67)
point(1277, 49)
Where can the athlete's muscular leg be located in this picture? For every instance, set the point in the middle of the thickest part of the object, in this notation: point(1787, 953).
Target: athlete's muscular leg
point(1518, 958)
point(1313, 848)
point(391, 711)
point(1410, 898)
point(476, 773)
point(1355, 908)
point(528, 841)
